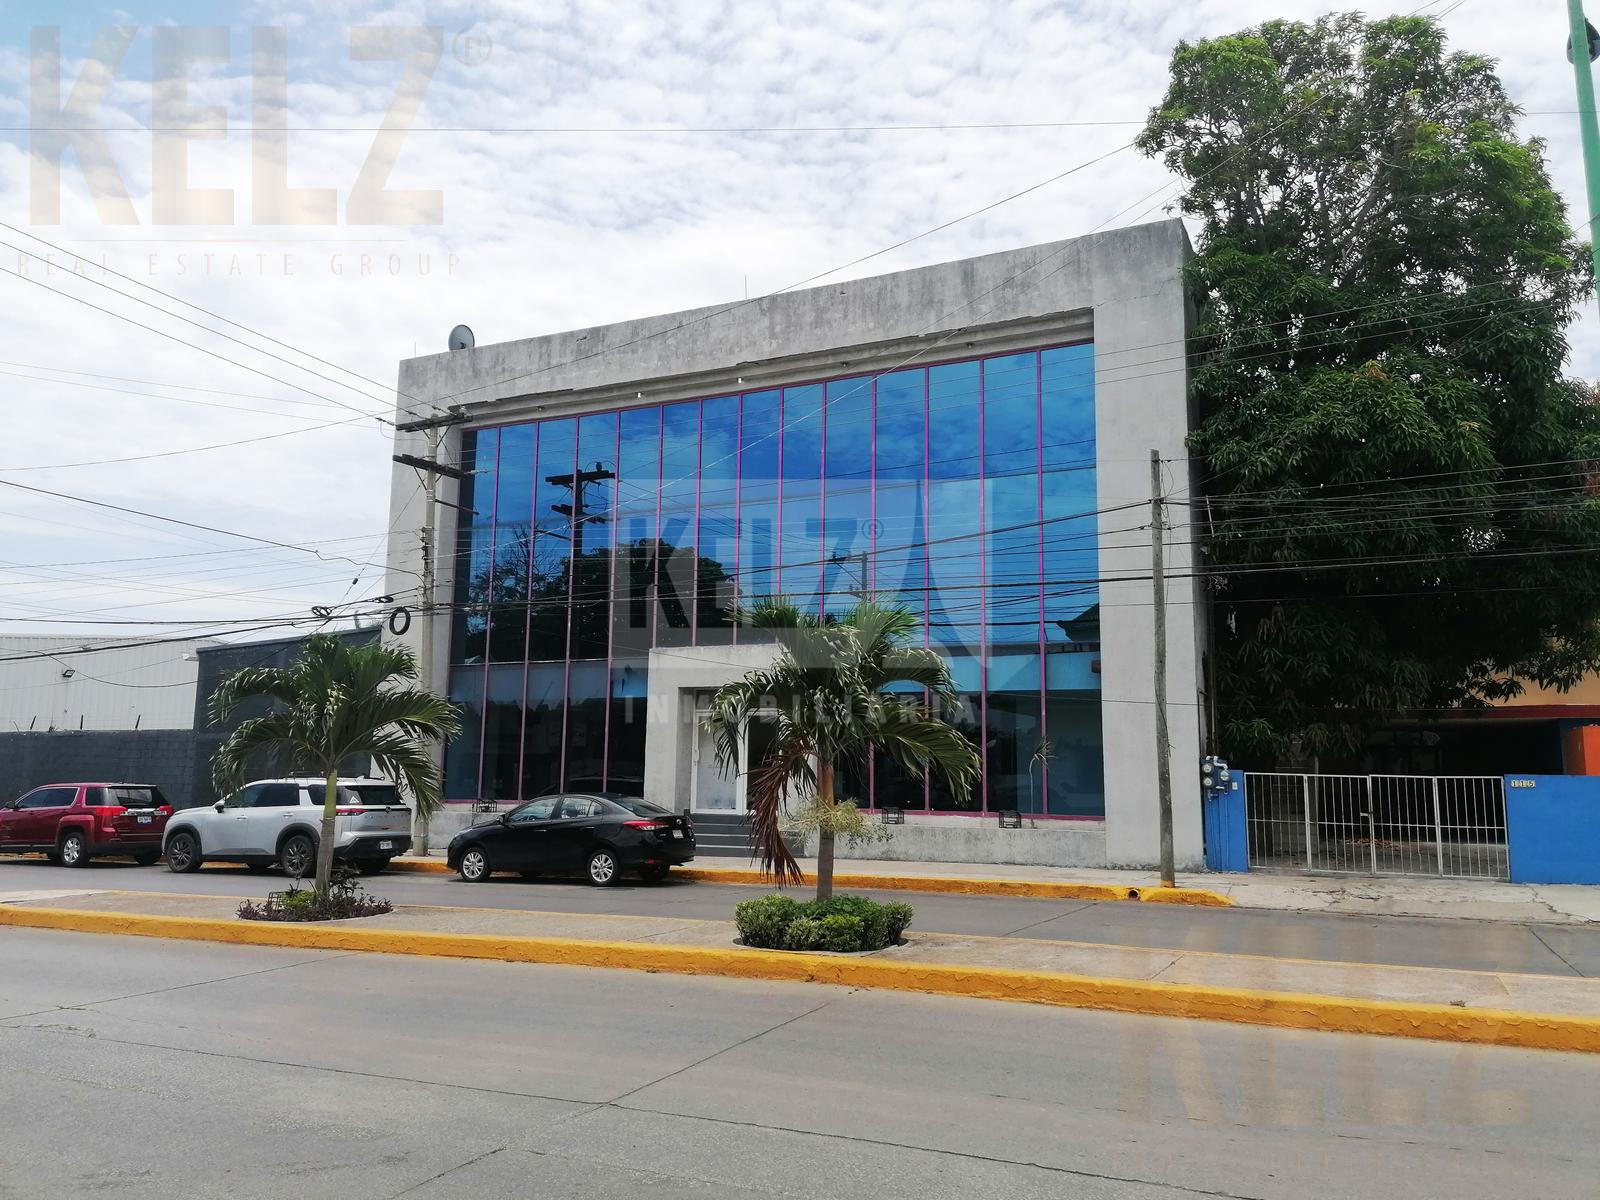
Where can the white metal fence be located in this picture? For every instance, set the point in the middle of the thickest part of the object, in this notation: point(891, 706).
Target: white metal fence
point(1446, 825)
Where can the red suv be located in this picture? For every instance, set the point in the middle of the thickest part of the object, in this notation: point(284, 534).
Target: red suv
point(74, 822)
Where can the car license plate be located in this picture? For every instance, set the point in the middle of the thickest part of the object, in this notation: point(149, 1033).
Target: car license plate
point(385, 845)
point(143, 820)
point(677, 833)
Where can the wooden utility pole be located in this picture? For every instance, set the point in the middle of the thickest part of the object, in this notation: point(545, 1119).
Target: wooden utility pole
point(1163, 751)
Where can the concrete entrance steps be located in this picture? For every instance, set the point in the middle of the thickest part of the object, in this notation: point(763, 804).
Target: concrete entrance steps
point(727, 835)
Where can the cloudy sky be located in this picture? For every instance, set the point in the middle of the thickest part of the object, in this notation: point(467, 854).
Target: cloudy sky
point(575, 162)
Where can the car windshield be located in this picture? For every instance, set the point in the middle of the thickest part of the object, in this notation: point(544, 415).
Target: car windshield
point(638, 807)
point(136, 797)
point(375, 795)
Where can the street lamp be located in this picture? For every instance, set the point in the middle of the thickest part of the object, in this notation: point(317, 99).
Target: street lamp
point(1583, 34)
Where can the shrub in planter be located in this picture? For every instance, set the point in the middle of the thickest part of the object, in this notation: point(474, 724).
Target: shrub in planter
point(804, 933)
point(844, 923)
point(344, 899)
point(871, 916)
point(898, 916)
point(841, 932)
point(763, 922)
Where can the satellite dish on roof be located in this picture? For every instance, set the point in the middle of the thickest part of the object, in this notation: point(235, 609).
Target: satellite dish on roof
point(461, 338)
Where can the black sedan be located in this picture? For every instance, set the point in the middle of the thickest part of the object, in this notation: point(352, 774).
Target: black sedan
point(601, 834)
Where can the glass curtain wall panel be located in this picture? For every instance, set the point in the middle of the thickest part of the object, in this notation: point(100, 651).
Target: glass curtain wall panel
point(964, 490)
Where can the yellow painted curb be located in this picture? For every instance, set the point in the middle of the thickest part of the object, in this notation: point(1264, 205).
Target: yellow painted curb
point(1026, 889)
point(1283, 1010)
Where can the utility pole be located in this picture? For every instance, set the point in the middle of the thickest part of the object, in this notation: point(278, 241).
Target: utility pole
point(578, 511)
point(431, 469)
point(1163, 752)
point(1581, 49)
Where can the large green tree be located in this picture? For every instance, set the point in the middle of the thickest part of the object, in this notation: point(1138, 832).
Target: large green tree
point(1398, 482)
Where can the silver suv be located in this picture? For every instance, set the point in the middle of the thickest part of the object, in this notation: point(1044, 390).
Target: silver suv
point(280, 821)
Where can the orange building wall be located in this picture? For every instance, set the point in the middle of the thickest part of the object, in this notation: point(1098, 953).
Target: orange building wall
point(1585, 692)
point(1580, 747)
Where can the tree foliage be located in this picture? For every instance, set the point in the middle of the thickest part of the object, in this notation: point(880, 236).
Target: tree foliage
point(827, 691)
point(336, 701)
point(1402, 504)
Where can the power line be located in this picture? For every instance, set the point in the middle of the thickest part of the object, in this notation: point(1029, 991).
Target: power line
point(155, 454)
point(195, 346)
point(214, 316)
point(24, 487)
point(101, 387)
point(164, 383)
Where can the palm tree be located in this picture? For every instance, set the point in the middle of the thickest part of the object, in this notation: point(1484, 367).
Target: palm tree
point(336, 701)
point(827, 687)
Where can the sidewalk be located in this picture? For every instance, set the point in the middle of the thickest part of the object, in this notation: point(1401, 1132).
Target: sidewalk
point(1490, 1007)
point(1471, 899)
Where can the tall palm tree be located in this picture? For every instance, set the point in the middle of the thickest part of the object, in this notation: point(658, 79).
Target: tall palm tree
point(336, 701)
point(827, 687)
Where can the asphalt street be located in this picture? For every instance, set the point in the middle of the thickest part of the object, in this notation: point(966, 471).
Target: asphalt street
point(143, 1068)
point(1416, 941)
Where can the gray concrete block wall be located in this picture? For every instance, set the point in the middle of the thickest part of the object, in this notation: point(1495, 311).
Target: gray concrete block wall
point(163, 757)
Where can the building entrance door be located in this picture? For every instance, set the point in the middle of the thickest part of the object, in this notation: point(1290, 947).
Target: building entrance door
point(719, 791)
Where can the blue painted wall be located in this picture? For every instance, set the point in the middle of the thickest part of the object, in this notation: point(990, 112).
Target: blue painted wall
point(1553, 828)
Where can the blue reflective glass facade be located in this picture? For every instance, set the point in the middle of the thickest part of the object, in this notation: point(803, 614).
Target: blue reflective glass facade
point(965, 490)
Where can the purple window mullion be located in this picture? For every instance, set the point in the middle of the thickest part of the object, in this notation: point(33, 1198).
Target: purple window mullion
point(822, 511)
point(983, 610)
point(927, 569)
point(699, 481)
point(488, 623)
point(573, 517)
point(777, 543)
point(527, 607)
point(1044, 677)
point(738, 499)
point(611, 602)
point(655, 537)
point(872, 541)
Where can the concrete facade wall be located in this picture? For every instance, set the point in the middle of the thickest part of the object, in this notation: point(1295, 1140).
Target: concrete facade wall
point(1123, 288)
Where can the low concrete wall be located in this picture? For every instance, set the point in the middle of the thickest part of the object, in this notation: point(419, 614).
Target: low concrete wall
point(446, 824)
point(970, 840)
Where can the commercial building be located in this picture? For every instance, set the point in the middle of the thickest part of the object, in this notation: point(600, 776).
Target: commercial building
point(972, 439)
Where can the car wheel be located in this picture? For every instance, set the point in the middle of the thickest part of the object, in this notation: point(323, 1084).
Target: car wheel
point(298, 855)
point(654, 872)
point(373, 866)
point(603, 868)
point(474, 864)
point(183, 853)
point(147, 859)
point(74, 850)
